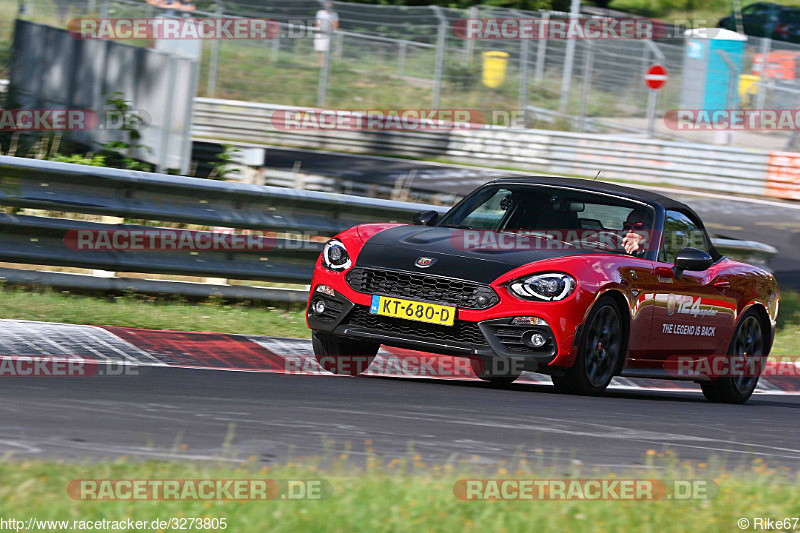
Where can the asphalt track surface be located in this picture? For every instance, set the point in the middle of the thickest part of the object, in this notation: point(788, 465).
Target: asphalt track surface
point(168, 412)
point(772, 222)
point(278, 418)
point(193, 391)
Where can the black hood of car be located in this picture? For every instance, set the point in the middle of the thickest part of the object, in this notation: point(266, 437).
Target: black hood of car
point(400, 247)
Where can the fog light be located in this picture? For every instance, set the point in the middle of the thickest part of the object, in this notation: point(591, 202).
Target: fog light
point(534, 339)
point(528, 321)
point(324, 289)
point(537, 340)
point(319, 307)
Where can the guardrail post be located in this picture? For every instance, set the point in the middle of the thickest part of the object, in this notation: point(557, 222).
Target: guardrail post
point(213, 65)
point(541, 49)
point(441, 43)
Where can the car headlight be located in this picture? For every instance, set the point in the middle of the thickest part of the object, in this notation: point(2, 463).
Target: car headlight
point(334, 255)
point(549, 287)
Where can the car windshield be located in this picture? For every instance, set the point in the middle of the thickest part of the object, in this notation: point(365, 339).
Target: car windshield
point(545, 208)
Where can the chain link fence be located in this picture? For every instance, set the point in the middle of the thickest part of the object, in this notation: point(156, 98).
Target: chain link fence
point(398, 57)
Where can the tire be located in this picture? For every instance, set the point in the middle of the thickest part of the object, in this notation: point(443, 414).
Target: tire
point(748, 340)
point(496, 370)
point(339, 355)
point(601, 353)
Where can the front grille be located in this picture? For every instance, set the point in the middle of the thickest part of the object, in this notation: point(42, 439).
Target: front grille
point(438, 289)
point(461, 332)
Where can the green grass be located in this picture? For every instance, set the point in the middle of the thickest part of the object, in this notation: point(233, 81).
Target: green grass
point(787, 340)
point(405, 495)
point(152, 313)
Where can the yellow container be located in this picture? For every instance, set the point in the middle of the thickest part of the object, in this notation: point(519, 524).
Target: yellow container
point(494, 68)
point(748, 88)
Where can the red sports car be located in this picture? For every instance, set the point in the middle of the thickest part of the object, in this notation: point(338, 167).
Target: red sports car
point(580, 280)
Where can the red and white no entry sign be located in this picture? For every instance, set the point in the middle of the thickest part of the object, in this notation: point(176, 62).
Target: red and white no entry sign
point(655, 77)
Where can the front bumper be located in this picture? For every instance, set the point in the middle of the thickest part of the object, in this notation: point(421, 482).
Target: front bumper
point(493, 337)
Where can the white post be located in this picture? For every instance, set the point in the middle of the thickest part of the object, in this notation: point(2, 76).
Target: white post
point(761, 94)
point(401, 57)
point(469, 45)
point(588, 60)
point(569, 59)
point(541, 50)
point(441, 43)
point(213, 65)
point(652, 99)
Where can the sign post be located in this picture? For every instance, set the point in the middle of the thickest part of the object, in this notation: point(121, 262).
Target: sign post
point(654, 79)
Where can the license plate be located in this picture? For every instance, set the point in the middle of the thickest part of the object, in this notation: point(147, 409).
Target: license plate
point(433, 314)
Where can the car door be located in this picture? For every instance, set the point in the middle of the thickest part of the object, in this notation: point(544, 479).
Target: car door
point(691, 313)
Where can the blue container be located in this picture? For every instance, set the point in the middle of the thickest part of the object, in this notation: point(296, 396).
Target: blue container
point(706, 74)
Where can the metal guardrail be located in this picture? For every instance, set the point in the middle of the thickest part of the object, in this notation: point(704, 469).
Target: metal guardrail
point(700, 166)
point(41, 241)
point(69, 188)
point(56, 186)
point(748, 251)
point(85, 283)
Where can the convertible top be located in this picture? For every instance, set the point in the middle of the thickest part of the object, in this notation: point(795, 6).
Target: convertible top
point(612, 188)
point(600, 186)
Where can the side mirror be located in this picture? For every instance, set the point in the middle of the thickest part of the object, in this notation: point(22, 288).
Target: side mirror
point(425, 218)
point(691, 259)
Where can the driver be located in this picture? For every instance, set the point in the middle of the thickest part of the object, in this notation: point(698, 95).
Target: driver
point(637, 225)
